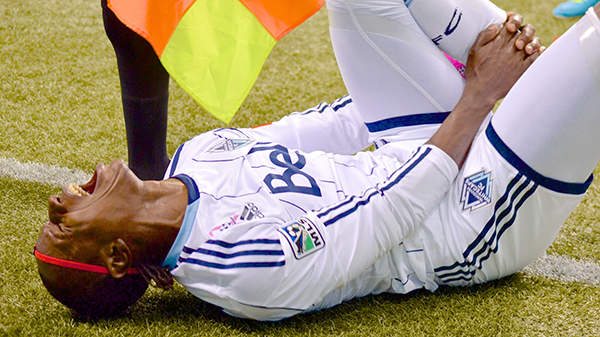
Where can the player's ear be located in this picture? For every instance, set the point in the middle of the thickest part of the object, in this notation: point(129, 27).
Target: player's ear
point(116, 256)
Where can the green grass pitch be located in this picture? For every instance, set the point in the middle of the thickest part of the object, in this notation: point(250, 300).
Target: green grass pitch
point(60, 105)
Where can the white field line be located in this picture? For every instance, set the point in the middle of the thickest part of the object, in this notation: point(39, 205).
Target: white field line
point(41, 173)
point(565, 269)
point(559, 268)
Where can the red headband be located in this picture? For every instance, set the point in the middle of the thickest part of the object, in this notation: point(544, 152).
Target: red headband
point(75, 265)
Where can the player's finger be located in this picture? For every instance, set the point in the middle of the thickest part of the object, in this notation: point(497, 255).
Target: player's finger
point(510, 29)
point(534, 45)
point(485, 37)
point(513, 23)
point(526, 37)
point(531, 58)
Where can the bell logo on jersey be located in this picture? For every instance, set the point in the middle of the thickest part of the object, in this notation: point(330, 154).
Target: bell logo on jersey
point(304, 237)
point(477, 191)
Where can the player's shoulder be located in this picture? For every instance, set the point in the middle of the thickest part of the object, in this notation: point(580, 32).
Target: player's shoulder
point(217, 141)
point(215, 144)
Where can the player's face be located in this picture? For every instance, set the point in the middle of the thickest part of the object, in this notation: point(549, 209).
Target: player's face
point(87, 216)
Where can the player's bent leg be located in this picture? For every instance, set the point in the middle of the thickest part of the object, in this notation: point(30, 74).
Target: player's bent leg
point(550, 118)
point(528, 171)
point(497, 218)
point(398, 79)
point(453, 25)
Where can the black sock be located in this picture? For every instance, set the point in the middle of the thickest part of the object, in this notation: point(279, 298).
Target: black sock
point(145, 95)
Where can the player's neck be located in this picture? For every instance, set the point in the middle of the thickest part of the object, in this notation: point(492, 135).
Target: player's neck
point(159, 218)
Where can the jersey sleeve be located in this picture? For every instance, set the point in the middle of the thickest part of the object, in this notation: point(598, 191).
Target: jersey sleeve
point(361, 229)
point(333, 128)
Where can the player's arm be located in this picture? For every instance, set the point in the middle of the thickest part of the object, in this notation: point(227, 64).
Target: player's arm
point(496, 61)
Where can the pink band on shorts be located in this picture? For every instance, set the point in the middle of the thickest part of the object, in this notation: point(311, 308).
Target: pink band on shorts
point(460, 67)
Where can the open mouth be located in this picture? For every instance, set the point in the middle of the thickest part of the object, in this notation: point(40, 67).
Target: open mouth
point(77, 190)
point(85, 189)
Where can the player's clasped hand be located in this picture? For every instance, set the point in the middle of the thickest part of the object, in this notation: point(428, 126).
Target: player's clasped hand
point(526, 40)
point(500, 56)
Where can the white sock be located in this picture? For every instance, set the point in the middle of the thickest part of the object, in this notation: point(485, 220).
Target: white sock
point(453, 25)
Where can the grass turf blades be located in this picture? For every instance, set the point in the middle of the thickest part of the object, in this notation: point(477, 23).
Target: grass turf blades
point(60, 106)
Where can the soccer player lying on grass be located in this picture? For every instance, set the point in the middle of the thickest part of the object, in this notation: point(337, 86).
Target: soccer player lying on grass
point(267, 223)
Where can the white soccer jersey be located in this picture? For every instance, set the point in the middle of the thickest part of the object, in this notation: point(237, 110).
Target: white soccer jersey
point(272, 231)
point(277, 226)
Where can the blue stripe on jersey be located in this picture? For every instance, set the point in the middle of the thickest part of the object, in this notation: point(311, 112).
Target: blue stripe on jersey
point(521, 166)
point(175, 159)
point(267, 146)
point(192, 188)
point(233, 265)
point(241, 243)
point(408, 120)
point(271, 308)
point(236, 254)
point(404, 282)
point(318, 109)
point(237, 132)
point(205, 257)
point(341, 102)
point(216, 160)
point(470, 266)
point(369, 193)
point(501, 224)
point(335, 106)
point(349, 200)
point(519, 189)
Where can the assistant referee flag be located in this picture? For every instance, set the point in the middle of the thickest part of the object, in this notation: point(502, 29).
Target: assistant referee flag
point(214, 49)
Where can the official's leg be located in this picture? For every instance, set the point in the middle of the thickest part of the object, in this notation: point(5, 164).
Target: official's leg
point(145, 94)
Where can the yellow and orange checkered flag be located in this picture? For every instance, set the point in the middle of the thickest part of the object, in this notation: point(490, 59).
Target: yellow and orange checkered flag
point(214, 49)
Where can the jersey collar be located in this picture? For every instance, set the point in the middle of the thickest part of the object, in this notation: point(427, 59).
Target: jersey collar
point(170, 261)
